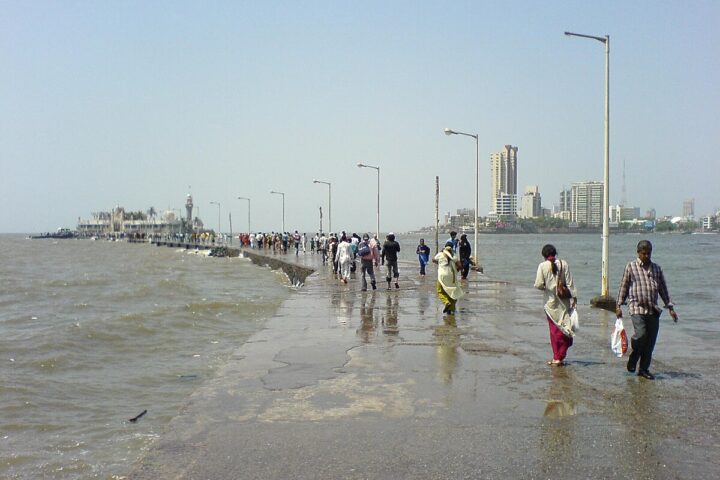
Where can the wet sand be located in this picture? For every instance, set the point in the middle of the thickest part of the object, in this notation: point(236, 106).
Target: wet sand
point(349, 384)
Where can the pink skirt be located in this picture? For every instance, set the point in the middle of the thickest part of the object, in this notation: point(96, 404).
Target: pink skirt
point(559, 341)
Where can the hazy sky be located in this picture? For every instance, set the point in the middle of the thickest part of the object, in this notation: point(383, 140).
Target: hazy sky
point(106, 103)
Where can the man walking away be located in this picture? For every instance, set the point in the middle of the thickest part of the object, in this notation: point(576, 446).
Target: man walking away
point(641, 284)
point(368, 257)
point(322, 247)
point(390, 251)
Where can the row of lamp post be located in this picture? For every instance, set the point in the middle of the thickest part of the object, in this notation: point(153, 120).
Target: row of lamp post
point(604, 295)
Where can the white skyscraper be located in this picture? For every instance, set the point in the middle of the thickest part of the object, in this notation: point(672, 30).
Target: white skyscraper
point(503, 174)
point(587, 203)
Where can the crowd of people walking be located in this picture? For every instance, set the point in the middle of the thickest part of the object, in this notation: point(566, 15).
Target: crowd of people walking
point(642, 282)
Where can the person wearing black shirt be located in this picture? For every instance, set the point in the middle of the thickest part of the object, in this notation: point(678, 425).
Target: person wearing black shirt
point(465, 251)
point(389, 256)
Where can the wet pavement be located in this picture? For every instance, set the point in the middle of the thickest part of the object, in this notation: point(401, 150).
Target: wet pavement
point(344, 384)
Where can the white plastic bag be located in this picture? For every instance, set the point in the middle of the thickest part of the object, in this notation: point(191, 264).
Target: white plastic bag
point(618, 339)
point(574, 320)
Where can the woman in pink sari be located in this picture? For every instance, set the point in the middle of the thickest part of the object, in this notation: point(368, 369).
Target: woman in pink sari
point(557, 309)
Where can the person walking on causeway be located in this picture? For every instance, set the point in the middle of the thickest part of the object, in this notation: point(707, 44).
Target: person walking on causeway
point(465, 251)
point(641, 284)
point(368, 253)
point(344, 258)
point(423, 253)
point(448, 281)
point(554, 279)
point(389, 255)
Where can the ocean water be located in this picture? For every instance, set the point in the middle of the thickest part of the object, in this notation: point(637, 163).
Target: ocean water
point(93, 333)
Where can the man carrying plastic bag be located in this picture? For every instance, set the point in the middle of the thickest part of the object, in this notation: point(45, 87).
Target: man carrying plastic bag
point(641, 284)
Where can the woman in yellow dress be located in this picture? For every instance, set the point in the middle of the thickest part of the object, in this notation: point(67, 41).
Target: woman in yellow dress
point(448, 287)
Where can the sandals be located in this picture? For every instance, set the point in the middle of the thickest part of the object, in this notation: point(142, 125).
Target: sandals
point(556, 363)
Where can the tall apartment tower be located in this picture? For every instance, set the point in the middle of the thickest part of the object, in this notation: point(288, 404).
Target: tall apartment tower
point(587, 203)
point(503, 174)
point(565, 200)
point(689, 208)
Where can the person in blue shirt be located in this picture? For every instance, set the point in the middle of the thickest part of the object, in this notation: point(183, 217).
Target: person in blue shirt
point(453, 240)
point(423, 253)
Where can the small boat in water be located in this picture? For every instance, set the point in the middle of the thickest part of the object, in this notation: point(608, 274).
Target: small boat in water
point(61, 233)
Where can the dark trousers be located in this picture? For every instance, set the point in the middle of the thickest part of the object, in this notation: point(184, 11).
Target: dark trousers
point(645, 334)
point(465, 267)
point(366, 266)
point(392, 270)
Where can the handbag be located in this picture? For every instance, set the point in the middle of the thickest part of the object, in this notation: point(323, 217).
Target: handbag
point(561, 288)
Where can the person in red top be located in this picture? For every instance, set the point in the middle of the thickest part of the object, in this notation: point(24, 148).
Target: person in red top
point(641, 284)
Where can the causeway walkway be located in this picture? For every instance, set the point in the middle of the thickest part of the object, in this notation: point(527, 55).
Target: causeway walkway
point(344, 384)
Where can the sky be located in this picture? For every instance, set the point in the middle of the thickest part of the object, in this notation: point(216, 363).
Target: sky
point(137, 103)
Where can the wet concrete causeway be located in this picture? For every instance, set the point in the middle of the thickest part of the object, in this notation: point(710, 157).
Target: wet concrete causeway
point(344, 384)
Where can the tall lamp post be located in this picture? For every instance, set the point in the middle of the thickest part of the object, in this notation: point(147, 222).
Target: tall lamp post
point(248, 200)
point(362, 165)
point(450, 131)
point(218, 204)
point(329, 203)
point(604, 300)
point(283, 208)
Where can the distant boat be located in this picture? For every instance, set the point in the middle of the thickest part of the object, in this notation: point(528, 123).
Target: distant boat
point(61, 233)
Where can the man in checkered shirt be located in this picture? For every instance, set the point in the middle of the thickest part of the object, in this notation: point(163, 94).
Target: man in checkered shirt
point(641, 284)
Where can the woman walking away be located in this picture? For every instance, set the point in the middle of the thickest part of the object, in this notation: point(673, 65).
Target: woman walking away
point(465, 252)
point(554, 278)
point(448, 288)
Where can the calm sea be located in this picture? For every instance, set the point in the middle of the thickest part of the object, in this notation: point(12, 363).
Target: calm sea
point(93, 333)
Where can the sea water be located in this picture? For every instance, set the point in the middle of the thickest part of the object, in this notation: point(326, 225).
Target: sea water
point(94, 332)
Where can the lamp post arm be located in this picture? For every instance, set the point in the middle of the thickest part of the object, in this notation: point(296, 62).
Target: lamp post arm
point(599, 39)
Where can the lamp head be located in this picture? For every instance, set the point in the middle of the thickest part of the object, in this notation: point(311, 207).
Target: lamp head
point(360, 165)
point(449, 131)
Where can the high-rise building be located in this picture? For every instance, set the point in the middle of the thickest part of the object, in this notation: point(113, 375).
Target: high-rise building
point(587, 203)
point(531, 206)
point(689, 208)
point(565, 201)
point(503, 174)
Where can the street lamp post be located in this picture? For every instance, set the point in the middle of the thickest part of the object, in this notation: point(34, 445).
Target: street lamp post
point(283, 208)
point(329, 203)
point(449, 131)
point(604, 300)
point(219, 225)
point(248, 200)
point(362, 165)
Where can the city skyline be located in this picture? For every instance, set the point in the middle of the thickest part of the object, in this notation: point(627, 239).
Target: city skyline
point(128, 104)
